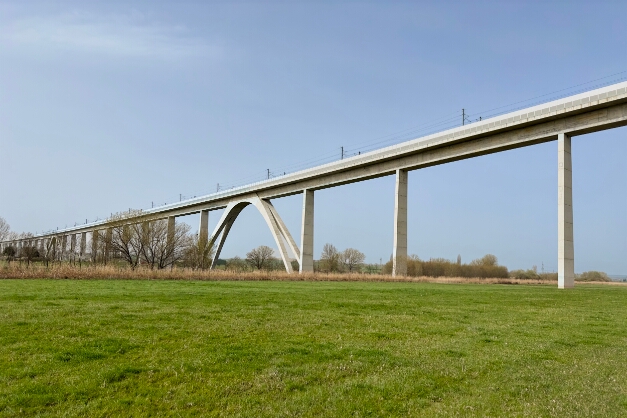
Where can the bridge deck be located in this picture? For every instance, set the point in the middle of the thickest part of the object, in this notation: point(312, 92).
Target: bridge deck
point(583, 113)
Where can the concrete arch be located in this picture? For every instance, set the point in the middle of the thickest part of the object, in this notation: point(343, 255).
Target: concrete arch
point(279, 231)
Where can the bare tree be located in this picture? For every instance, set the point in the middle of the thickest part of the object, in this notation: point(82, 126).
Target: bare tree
point(5, 229)
point(199, 253)
point(330, 258)
point(9, 252)
point(352, 258)
point(237, 264)
point(50, 252)
point(126, 237)
point(29, 253)
point(487, 260)
point(260, 256)
point(26, 251)
point(162, 249)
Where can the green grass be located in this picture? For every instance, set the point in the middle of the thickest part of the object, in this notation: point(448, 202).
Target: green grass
point(175, 348)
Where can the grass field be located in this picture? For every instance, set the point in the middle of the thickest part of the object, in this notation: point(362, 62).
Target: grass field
point(181, 348)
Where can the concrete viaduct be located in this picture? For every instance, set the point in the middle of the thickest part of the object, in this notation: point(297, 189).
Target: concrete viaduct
point(559, 120)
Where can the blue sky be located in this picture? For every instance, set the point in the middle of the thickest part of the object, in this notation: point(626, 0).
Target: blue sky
point(114, 105)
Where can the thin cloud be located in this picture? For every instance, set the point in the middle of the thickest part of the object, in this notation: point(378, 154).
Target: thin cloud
point(114, 35)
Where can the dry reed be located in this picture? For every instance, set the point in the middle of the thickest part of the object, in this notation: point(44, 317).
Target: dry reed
point(68, 271)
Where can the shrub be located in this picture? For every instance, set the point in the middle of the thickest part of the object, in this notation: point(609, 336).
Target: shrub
point(592, 276)
point(485, 267)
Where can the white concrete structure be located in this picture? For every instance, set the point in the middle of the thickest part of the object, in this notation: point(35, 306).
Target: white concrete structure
point(558, 120)
point(73, 243)
point(399, 251)
point(306, 261)
point(565, 241)
point(83, 243)
point(203, 228)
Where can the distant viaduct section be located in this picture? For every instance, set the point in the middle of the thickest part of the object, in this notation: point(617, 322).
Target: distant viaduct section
point(559, 120)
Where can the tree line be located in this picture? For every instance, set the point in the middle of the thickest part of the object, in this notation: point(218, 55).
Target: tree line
point(155, 244)
point(151, 243)
point(485, 267)
point(331, 260)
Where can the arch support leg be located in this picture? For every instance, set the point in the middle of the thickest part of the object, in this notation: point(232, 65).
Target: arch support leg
point(278, 229)
point(267, 210)
point(284, 231)
point(223, 227)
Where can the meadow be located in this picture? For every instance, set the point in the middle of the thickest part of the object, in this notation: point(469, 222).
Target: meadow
point(311, 348)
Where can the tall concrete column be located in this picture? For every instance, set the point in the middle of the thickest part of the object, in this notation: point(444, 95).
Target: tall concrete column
point(565, 241)
point(203, 228)
point(73, 243)
point(399, 255)
point(94, 245)
point(307, 233)
point(63, 245)
point(83, 243)
point(171, 225)
point(107, 249)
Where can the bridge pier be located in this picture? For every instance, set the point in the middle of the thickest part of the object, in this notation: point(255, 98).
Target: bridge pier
point(399, 253)
point(203, 228)
point(307, 233)
point(171, 227)
point(73, 243)
point(83, 243)
point(107, 244)
point(565, 236)
point(94, 245)
point(63, 245)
